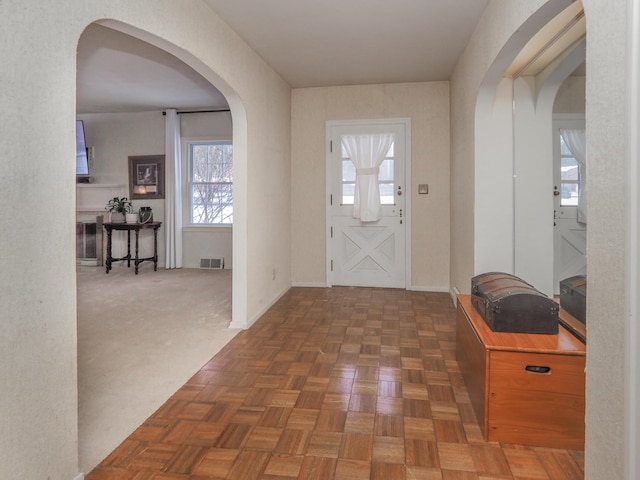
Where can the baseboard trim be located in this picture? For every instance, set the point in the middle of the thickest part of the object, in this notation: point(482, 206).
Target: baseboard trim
point(79, 477)
point(254, 319)
point(423, 288)
point(454, 292)
point(414, 288)
point(309, 285)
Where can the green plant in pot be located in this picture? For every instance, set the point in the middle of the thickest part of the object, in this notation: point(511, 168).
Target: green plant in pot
point(118, 207)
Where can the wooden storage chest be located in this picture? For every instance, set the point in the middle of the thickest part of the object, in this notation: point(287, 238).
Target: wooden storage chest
point(524, 388)
point(509, 304)
point(573, 296)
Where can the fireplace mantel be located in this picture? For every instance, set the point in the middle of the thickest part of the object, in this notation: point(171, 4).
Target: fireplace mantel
point(94, 196)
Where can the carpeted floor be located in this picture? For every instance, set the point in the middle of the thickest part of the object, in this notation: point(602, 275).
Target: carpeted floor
point(140, 338)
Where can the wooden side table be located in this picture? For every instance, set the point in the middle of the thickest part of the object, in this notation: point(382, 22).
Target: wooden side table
point(136, 227)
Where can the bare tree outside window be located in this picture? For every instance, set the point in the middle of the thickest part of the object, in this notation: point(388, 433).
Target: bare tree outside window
point(211, 181)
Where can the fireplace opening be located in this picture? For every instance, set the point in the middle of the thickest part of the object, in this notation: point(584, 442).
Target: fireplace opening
point(89, 247)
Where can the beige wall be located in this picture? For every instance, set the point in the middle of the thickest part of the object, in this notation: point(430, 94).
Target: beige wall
point(570, 98)
point(609, 299)
point(38, 406)
point(427, 104)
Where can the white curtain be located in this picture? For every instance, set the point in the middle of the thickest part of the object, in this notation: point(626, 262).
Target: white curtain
point(367, 153)
point(576, 140)
point(173, 197)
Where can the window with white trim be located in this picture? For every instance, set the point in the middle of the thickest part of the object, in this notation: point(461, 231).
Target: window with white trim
point(386, 182)
point(210, 183)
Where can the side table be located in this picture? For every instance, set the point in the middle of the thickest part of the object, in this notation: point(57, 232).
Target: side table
point(128, 227)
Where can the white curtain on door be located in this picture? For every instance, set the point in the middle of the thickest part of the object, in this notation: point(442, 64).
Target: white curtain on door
point(173, 197)
point(576, 140)
point(367, 153)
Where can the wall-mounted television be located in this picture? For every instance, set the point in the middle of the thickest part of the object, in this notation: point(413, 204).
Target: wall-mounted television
point(82, 158)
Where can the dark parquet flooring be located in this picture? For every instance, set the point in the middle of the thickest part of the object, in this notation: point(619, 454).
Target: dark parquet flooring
point(340, 383)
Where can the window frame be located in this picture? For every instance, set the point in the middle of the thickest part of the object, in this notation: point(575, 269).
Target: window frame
point(390, 159)
point(187, 183)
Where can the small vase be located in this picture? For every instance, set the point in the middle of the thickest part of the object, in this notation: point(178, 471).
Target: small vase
point(131, 218)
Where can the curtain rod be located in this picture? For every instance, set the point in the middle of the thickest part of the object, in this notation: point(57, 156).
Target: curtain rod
point(183, 112)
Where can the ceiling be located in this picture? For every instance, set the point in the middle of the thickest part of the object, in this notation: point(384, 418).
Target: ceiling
point(119, 73)
point(309, 43)
point(336, 42)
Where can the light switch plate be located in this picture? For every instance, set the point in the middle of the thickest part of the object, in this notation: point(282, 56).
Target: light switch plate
point(423, 188)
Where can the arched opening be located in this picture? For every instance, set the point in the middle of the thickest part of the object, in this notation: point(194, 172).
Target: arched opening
point(514, 149)
point(117, 187)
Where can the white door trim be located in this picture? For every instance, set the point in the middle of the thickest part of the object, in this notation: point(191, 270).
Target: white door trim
point(406, 123)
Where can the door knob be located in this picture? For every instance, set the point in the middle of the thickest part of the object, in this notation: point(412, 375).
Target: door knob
point(399, 192)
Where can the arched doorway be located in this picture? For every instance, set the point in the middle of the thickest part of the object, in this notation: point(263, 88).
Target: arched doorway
point(239, 139)
point(514, 150)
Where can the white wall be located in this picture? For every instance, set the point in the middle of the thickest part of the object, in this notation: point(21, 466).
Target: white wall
point(206, 242)
point(533, 194)
point(38, 41)
point(492, 185)
point(427, 104)
point(115, 137)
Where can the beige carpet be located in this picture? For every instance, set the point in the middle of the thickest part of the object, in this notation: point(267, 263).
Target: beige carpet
point(140, 338)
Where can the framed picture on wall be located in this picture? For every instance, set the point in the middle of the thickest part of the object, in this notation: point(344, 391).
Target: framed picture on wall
point(146, 177)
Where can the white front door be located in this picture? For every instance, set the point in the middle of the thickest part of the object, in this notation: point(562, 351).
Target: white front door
point(371, 254)
point(570, 236)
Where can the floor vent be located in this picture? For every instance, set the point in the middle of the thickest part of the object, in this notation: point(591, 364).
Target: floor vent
point(215, 263)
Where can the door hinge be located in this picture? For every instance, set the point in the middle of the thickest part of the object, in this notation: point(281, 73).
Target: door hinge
point(331, 200)
point(330, 146)
point(331, 232)
point(332, 265)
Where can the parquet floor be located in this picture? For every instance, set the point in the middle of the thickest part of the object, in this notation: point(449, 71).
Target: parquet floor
point(341, 383)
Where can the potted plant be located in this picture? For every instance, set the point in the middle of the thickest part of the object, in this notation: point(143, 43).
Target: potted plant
point(117, 208)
